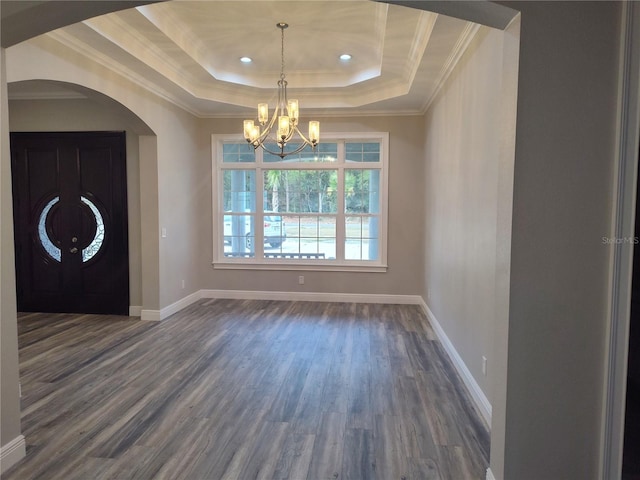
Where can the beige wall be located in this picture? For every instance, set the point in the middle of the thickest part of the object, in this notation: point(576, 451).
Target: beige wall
point(179, 189)
point(405, 230)
point(462, 148)
point(565, 154)
point(9, 401)
point(149, 222)
point(469, 155)
point(88, 115)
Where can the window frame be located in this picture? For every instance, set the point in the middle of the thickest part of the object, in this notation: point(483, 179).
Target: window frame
point(259, 166)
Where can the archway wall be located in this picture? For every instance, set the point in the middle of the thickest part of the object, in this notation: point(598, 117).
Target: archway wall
point(464, 203)
point(167, 181)
point(11, 441)
point(565, 156)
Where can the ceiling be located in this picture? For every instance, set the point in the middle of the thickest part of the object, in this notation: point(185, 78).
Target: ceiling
point(189, 53)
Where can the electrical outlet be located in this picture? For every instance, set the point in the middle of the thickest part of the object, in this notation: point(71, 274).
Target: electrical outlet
point(484, 365)
point(183, 284)
point(428, 294)
point(301, 280)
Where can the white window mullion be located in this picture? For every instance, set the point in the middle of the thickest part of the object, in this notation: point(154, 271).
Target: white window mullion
point(340, 218)
point(258, 225)
point(258, 248)
point(218, 228)
point(384, 197)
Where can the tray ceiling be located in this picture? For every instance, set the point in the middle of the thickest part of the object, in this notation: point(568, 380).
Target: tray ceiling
point(189, 53)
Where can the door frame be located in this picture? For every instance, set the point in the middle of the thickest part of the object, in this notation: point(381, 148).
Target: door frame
point(621, 256)
point(119, 303)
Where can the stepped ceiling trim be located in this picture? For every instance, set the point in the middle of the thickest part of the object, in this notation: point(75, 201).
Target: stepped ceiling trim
point(187, 52)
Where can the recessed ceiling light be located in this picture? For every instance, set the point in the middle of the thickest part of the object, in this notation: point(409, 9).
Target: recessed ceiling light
point(345, 56)
point(245, 60)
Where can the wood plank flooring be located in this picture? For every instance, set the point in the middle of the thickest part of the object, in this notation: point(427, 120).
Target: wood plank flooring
point(238, 389)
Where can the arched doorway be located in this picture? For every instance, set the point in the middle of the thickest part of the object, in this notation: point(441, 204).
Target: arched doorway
point(48, 106)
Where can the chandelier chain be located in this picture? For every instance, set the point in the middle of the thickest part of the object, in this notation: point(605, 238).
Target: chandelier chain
point(282, 52)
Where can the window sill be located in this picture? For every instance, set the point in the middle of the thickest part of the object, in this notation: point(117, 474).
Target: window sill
point(297, 266)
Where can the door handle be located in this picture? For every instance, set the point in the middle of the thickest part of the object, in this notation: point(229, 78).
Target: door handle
point(73, 250)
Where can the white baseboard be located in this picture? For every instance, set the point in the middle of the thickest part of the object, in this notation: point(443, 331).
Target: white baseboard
point(175, 307)
point(151, 315)
point(490, 474)
point(158, 315)
point(478, 396)
point(12, 453)
point(135, 310)
point(312, 297)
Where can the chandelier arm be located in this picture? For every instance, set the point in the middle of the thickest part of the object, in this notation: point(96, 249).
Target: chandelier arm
point(292, 131)
point(267, 138)
point(265, 133)
point(304, 139)
point(282, 153)
point(282, 93)
point(274, 118)
point(271, 139)
point(298, 149)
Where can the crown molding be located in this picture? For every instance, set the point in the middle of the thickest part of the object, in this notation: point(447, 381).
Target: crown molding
point(91, 53)
point(465, 38)
point(67, 95)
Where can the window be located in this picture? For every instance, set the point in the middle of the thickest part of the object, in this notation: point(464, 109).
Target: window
point(322, 210)
point(54, 252)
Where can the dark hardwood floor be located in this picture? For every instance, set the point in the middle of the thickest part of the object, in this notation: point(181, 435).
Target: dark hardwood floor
point(232, 389)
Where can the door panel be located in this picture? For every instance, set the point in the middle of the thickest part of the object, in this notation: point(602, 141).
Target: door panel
point(70, 217)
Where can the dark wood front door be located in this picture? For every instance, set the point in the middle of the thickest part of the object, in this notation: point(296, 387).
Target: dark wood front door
point(70, 220)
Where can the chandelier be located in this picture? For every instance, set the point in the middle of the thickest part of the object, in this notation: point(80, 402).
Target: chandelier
point(286, 114)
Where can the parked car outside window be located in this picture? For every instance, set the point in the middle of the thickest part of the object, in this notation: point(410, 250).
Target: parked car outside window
point(274, 229)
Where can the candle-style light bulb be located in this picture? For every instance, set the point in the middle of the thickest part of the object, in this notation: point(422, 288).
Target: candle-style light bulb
point(255, 133)
point(294, 111)
point(314, 132)
point(283, 127)
point(263, 113)
point(248, 127)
